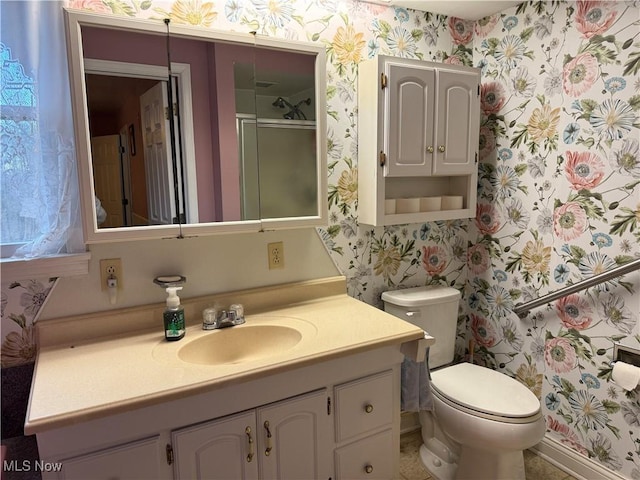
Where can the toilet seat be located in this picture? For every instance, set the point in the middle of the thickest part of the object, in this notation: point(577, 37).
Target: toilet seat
point(486, 393)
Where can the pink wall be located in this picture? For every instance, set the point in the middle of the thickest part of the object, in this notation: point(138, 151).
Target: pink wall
point(269, 59)
point(226, 56)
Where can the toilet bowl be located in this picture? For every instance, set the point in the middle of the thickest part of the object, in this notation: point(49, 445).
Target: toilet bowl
point(482, 420)
point(487, 420)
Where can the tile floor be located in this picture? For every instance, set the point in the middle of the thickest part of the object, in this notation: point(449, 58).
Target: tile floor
point(411, 468)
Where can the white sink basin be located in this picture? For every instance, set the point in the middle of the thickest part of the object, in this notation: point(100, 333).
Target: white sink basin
point(239, 344)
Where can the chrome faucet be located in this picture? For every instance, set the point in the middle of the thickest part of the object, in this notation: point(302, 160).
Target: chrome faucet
point(213, 320)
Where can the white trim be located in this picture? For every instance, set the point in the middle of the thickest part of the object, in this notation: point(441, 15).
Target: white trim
point(573, 463)
point(14, 269)
point(97, 66)
point(183, 72)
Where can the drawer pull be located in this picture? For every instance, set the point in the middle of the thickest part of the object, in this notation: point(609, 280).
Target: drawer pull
point(368, 408)
point(250, 441)
point(267, 452)
point(368, 469)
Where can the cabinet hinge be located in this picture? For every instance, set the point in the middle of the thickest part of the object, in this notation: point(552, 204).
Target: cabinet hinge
point(383, 158)
point(383, 81)
point(328, 405)
point(169, 451)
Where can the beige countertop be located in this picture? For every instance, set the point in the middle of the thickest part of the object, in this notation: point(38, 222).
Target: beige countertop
point(79, 377)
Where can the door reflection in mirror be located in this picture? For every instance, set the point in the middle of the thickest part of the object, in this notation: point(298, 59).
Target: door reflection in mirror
point(119, 178)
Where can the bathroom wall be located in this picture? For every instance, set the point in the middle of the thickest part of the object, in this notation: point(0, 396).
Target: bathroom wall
point(505, 256)
point(559, 201)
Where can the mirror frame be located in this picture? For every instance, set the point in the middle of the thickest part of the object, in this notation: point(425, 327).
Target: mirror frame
point(74, 21)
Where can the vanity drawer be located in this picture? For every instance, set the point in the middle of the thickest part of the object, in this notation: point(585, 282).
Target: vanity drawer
point(369, 458)
point(364, 405)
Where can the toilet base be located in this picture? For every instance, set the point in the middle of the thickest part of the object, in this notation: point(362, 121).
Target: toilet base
point(480, 465)
point(475, 465)
point(438, 468)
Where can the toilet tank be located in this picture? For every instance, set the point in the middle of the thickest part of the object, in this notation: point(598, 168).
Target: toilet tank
point(433, 308)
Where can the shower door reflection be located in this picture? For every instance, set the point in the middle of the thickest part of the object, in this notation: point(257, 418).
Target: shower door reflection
point(283, 183)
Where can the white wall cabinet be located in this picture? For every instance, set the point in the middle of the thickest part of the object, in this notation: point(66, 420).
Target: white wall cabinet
point(289, 439)
point(418, 134)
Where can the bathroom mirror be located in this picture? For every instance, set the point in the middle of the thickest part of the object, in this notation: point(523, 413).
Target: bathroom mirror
point(249, 129)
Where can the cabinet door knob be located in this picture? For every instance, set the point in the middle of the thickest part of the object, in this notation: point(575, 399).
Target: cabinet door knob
point(430, 149)
point(441, 148)
point(368, 408)
point(368, 469)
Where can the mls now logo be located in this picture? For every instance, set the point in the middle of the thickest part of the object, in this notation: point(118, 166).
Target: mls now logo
point(29, 465)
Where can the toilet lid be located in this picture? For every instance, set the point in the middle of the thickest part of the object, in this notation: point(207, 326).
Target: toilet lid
point(421, 296)
point(485, 390)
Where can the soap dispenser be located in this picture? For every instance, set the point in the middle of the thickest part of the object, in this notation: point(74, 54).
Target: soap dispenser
point(174, 326)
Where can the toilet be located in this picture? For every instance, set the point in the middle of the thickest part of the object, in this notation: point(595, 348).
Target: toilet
point(482, 419)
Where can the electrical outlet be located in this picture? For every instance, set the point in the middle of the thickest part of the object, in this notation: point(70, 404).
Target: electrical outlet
point(108, 267)
point(276, 255)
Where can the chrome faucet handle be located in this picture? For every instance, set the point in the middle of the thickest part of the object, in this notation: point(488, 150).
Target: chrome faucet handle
point(238, 311)
point(209, 319)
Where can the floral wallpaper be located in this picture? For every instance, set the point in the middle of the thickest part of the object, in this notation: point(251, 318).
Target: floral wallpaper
point(559, 201)
point(20, 303)
point(558, 193)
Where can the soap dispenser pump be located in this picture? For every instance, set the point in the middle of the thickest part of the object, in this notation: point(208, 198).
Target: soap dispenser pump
point(174, 325)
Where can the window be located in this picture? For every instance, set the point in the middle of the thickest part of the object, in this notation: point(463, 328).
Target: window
point(38, 180)
point(18, 130)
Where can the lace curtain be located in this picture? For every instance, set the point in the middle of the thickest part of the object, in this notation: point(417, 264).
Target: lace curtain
point(40, 199)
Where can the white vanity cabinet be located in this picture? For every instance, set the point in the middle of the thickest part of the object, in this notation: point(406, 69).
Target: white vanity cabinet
point(337, 419)
point(418, 134)
point(131, 407)
point(290, 439)
point(130, 461)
